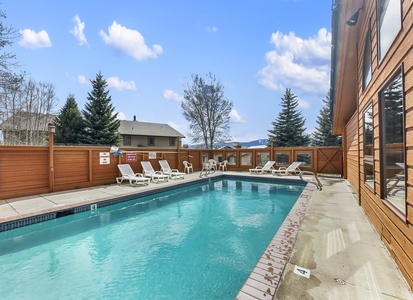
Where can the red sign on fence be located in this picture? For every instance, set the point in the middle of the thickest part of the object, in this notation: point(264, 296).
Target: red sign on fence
point(131, 157)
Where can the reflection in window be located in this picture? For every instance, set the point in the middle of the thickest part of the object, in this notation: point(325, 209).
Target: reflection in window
point(282, 159)
point(246, 159)
point(262, 158)
point(393, 160)
point(367, 60)
point(389, 14)
point(368, 147)
point(232, 158)
point(304, 157)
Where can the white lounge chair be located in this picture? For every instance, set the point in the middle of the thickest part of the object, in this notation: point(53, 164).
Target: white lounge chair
point(188, 167)
point(128, 174)
point(148, 171)
point(268, 167)
point(292, 169)
point(173, 173)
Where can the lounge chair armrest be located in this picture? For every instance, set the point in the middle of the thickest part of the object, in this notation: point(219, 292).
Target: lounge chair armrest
point(139, 175)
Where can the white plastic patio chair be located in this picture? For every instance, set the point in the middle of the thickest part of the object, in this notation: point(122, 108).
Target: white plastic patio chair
point(173, 173)
point(188, 167)
point(223, 166)
point(148, 171)
point(268, 167)
point(128, 174)
point(212, 165)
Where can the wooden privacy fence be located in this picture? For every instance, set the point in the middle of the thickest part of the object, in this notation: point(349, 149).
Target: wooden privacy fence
point(32, 170)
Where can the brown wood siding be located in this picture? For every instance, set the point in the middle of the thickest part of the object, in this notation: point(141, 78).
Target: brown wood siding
point(395, 230)
point(352, 152)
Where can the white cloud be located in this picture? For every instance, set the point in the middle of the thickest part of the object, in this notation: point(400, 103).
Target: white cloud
point(120, 85)
point(303, 104)
point(236, 117)
point(181, 128)
point(83, 80)
point(212, 29)
point(301, 64)
point(31, 39)
point(121, 116)
point(130, 42)
point(171, 95)
point(77, 31)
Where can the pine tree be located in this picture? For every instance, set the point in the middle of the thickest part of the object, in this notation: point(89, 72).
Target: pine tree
point(289, 128)
point(323, 135)
point(100, 118)
point(70, 128)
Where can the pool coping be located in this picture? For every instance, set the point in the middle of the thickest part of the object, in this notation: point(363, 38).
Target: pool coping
point(264, 279)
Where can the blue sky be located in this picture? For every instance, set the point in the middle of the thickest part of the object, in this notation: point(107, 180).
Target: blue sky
point(147, 51)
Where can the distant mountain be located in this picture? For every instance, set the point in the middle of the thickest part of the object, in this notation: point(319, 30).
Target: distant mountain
point(255, 143)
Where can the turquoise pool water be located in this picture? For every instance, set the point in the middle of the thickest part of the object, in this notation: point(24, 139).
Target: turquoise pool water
point(199, 242)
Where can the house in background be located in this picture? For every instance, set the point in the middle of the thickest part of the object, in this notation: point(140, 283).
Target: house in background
point(144, 134)
point(372, 99)
point(26, 128)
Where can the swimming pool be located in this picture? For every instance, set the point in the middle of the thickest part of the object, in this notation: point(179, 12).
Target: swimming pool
point(195, 242)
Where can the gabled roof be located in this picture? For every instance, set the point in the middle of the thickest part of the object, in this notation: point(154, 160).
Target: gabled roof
point(147, 129)
point(28, 121)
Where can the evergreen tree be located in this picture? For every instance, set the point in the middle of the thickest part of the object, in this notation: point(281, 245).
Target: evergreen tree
point(323, 135)
point(99, 115)
point(70, 128)
point(289, 126)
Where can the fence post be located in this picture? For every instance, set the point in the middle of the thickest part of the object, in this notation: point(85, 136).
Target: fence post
point(51, 129)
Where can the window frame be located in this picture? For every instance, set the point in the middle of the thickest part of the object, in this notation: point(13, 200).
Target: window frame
point(172, 141)
point(381, 54)
point(151, 141)
point(367, 69)
point(368, 159)
point(127, 140)
point(383, 157)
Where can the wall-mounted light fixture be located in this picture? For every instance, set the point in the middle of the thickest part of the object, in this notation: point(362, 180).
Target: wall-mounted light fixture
point(353, 19)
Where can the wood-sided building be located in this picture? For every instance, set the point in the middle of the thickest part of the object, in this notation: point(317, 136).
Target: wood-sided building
point(372, 106)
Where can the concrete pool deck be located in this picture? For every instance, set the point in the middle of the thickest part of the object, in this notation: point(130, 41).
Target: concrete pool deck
point(334, 241)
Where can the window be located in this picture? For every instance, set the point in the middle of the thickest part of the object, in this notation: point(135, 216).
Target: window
point(127, 140)
point(368, 148)
point(389, 21)
point(151, 141)
point(304, 157)
point(367, 60)
point(262, 158)
point(232, 158)
point(393, 183)
point(282, 159)
point(218, 157)
point(172, 141)
point(246, 159)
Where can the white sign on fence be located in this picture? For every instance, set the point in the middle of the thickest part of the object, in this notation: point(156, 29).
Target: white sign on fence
point(104, 158)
